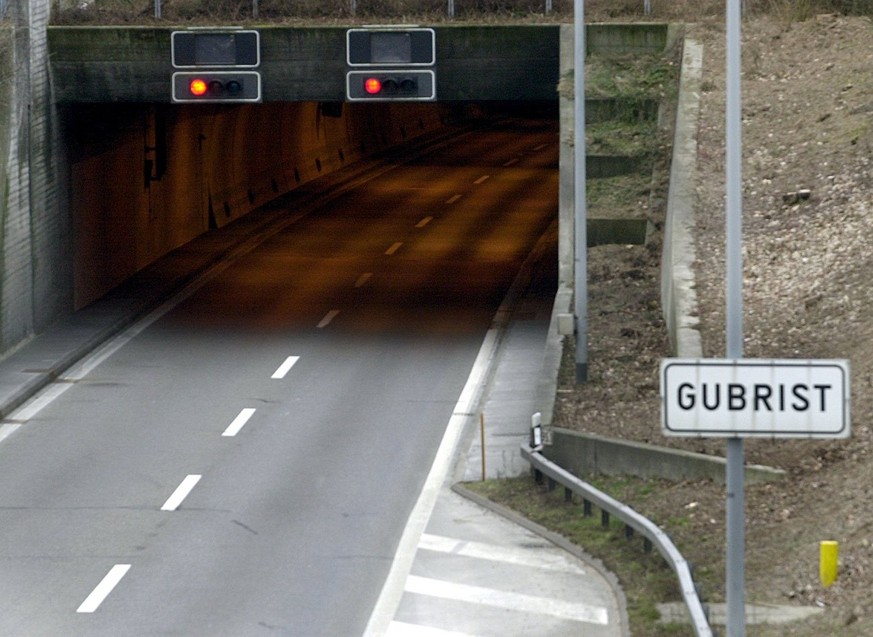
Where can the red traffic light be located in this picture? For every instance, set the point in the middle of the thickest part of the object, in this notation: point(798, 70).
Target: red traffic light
point(197, 87)
point(216, 86)
point(391, 84)
point(373, 85)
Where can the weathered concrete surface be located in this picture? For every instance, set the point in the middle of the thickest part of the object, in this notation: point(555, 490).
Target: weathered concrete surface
point(587, 454)
point(133, 64)
point(473, 62)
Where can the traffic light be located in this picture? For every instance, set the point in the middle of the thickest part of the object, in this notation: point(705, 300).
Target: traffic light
point(217, 86)
point(393, 85)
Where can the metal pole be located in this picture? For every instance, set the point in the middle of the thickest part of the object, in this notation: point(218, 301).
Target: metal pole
point(158, 9)
point(580, 203)
point(735, 509)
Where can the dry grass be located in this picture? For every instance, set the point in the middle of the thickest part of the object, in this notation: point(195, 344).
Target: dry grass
point(427, 11)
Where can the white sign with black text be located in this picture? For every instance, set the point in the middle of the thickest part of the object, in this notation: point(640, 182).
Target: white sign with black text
point(755, 398)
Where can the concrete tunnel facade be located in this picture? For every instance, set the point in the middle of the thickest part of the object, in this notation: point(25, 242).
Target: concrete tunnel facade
point(101, 177)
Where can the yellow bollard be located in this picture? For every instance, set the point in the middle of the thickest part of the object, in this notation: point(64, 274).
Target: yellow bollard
point(830, 553)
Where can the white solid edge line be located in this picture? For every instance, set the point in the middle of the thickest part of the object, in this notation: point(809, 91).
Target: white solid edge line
point(239, 422)
point(181, 492)
point(101, 592)
point(285, 367)
point(392, 589)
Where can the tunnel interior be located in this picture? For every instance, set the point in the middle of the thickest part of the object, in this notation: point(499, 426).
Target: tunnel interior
point(146, 179)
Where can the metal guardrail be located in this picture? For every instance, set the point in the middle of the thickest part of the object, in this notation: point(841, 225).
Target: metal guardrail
point(634, 522)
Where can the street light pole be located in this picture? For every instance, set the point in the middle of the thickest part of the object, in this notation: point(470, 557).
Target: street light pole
point(580, 204)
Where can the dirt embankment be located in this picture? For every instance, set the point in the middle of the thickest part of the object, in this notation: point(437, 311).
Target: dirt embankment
point(808, 293)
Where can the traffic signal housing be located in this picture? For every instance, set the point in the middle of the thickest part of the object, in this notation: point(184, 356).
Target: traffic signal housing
point(391, 85)
point(217, 86)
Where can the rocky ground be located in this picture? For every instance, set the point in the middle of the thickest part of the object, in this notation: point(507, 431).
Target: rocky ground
point(808, 293)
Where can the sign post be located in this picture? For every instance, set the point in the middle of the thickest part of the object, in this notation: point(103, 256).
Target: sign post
point(737, 398)
point(742, 398)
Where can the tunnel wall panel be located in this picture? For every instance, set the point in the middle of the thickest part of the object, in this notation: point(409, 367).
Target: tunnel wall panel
point(149, 178)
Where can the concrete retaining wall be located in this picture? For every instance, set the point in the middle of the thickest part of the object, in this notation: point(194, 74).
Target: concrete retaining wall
point(678, 294)
point(34, 254)
point(587, 454)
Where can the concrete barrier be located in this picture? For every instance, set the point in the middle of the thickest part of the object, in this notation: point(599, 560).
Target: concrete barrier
point(678, 294)
point(588, 454)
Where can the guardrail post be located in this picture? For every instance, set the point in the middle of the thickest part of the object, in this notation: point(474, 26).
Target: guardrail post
point(647, 545)
point(586, 508)
point(568, 495)
point(552, 484)
point(628, 531)
point(604, 519)
point(538, 476)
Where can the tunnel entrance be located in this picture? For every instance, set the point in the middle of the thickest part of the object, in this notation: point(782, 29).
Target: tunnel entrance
point(145, 179)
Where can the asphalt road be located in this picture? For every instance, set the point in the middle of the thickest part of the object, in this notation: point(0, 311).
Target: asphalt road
point(244, 463)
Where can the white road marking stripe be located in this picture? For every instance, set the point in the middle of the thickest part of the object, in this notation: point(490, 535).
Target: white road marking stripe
point(181, 493)
point(285, 367)
point(366, 276)
point(424, 222)
point(482, 179)
point(327, 318)
point(512, 161)
point(402, 629)
point(495, 553)
point(453, 199)
point(518, 602)
point(109, 582)
point(238, 422)
point(394, 248)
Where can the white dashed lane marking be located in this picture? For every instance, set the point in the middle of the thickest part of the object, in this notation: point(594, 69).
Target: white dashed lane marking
point(286, 366)
point(366, 276)
point(394, 248)
point(239, 422)
point(106, 585)
point(181, 492)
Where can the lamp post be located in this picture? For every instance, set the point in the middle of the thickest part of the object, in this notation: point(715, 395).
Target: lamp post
point(580, 274)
